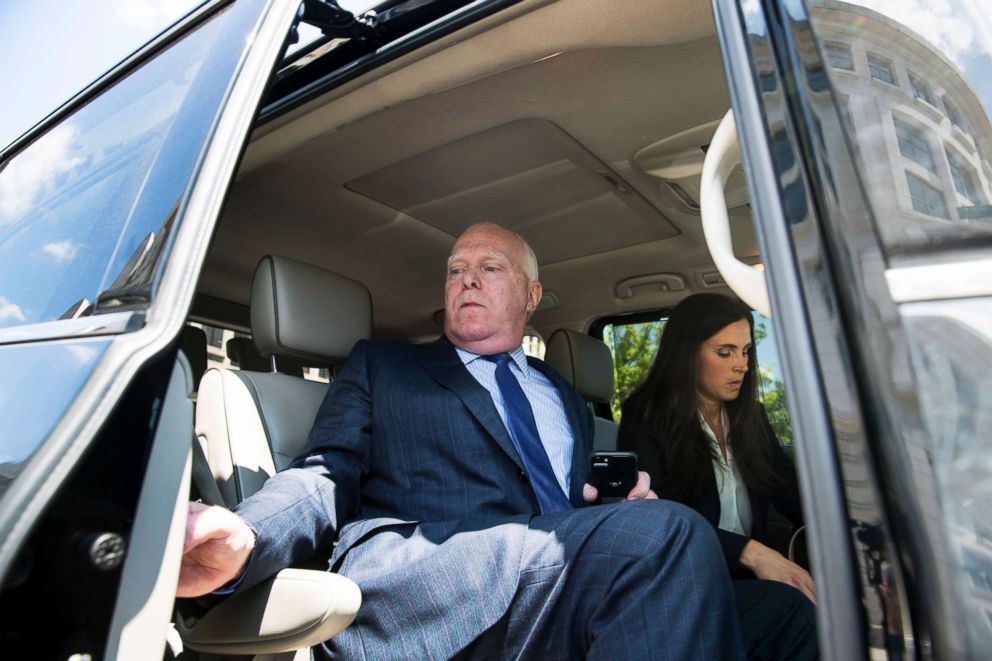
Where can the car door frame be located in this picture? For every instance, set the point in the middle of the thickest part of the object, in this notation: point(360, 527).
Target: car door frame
point(844, 350)
point(139, 339)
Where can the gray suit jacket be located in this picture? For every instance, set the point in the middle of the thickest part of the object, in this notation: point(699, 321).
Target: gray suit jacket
point(412, 476)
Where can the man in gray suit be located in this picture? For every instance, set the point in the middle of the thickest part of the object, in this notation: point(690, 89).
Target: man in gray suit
point(465, 539)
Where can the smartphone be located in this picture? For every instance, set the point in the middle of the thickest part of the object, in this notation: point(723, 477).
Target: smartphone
point(613, 474)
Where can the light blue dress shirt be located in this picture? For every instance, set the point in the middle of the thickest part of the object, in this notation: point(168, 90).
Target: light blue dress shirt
point(549, 410)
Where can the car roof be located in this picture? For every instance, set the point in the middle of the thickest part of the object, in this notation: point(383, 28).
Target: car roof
point(566, 122)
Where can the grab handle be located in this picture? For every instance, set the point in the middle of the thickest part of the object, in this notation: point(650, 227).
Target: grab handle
point(747, 281)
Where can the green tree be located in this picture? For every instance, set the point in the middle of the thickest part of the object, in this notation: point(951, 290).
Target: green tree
point(771, 392)
point(633, 347)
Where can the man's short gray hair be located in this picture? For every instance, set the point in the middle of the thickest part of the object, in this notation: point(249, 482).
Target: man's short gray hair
point(530, 259)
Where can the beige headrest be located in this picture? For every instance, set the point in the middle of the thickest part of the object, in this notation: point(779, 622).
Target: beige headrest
point(302, 311)
point(585, 361)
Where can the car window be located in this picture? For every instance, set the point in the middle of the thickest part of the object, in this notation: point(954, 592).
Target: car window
point(634, 346)
point(533, 345)
point(97, 34)
point(221, 355)
point(87, 208)
point(915, 87)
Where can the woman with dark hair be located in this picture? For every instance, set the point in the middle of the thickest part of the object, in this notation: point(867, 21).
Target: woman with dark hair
point(699, 430)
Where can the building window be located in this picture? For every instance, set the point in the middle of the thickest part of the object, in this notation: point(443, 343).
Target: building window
point(921, 90)
point(954, 114)
point(839, 56)
point(913, 145)
point(926, 198)
point(881, 69)
point(964, 181)
point(533, 345)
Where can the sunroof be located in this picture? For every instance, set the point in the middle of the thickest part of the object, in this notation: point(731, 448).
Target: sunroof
point(309, 34)
point(364, 35)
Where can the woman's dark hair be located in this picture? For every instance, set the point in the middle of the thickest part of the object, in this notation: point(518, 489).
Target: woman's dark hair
point(670, 391)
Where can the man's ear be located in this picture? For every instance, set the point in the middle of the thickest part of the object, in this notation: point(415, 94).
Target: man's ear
point(534, 294)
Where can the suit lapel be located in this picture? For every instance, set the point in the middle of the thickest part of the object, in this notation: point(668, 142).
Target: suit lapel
point(581, 436)
point(443, 364)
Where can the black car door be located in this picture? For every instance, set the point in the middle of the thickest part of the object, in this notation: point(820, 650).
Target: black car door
point(866, 145)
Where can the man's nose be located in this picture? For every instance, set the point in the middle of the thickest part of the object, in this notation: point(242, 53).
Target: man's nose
point(470, 278)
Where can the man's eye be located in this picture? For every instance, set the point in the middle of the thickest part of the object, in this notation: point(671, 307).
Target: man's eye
point(452, 273)
point(490, 269)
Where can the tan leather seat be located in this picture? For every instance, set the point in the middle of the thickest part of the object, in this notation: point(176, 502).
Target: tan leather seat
point(251, 424)
point(588, 365)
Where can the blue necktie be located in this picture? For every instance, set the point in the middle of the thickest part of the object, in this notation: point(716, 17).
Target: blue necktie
point(523, 430)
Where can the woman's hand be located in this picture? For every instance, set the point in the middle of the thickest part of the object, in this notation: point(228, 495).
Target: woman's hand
point(771, 565)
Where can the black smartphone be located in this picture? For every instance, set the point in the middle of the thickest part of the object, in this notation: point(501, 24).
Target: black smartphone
point(613, 474)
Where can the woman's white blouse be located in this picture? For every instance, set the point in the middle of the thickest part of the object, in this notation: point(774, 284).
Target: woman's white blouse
point(735, 506)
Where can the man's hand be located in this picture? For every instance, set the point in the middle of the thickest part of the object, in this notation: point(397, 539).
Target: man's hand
point(641, 490)
point(217, 547)
point(771, 565)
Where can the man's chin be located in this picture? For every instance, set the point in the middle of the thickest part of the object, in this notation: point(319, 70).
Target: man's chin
point(467, 335)
point(481, 341)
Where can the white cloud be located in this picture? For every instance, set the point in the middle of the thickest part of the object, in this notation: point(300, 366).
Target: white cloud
point(751, 9)
point(10, 310)
point(145, 14)
point(35, 169)
point(62, 251)
point(957, 28)
point(82, 353)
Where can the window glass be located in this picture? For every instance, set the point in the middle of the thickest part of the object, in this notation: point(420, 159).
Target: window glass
point(217, 339)
point(942, 54)
point(913, 145)
point(86, 209)
point(839, 56)
point(926, 199)
point(964, 182)
point(938, 62)
point(921, 89)
point(880, 69)
point(954, 114)
point(634, 346)
point(234, 350)
point(98, 34)
point(533, 345)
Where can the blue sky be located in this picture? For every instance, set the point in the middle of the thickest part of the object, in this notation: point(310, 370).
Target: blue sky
point(51, 49)
point(960, 29)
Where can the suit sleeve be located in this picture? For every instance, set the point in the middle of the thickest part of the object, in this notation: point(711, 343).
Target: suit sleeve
point(785, 497)
point(299, 510)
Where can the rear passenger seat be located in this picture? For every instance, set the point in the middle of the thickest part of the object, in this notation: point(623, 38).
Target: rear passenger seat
point(588, 365)
point(252, 424)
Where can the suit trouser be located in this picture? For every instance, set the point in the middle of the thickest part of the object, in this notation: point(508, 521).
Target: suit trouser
point(638, 580)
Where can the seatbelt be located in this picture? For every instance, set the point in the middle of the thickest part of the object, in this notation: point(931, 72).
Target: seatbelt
point(203, 478)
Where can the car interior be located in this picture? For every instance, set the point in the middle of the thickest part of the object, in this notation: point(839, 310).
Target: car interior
point(579, 124)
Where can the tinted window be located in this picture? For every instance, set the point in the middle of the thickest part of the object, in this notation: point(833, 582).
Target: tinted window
point(924, 138)
point(86, 209)
point(97, 34)
point(634, 347)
